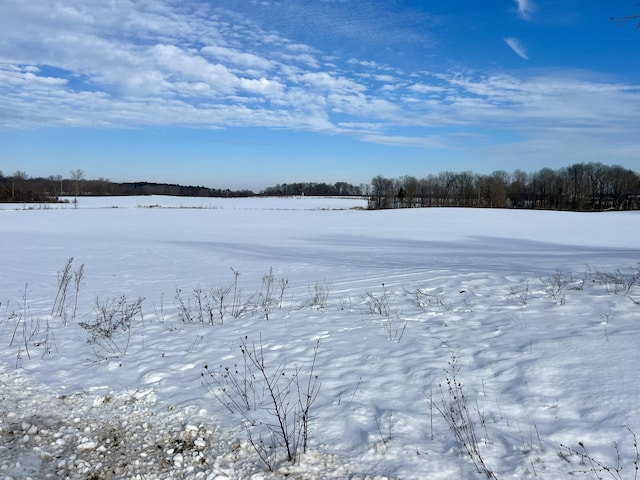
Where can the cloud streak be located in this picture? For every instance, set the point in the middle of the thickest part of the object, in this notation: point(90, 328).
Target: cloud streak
point(517, 47)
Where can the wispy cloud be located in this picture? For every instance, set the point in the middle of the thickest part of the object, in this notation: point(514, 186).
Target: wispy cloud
point(376, 22)
point(331, 83)
point(249, 61)
point(406, 141)
point(525, 8)
point(517, 47)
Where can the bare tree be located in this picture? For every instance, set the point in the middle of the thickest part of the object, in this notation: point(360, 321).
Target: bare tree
point(18, 181)
point(77, 175)
point(383, 193)
point(518, 189)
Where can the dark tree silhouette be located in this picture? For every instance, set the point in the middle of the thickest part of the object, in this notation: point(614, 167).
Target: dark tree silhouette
point(581, 186)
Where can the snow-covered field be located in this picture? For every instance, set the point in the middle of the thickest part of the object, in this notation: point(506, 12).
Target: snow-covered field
point(537, 311)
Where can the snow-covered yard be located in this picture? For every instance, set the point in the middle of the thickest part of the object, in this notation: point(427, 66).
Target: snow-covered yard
point(532, 317)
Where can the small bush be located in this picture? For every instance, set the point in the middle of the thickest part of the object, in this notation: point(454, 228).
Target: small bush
point(378, 304)
point(110, 331)
point(426, 299)
point(318, 296)
point(454, 408)
point(59, 308)
point(285, 394)
point(618, 282)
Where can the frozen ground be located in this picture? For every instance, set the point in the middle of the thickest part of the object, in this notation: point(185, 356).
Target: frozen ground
point(539, 310)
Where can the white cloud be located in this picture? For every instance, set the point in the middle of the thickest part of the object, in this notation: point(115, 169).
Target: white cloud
point(385, 78)
point(525, 8)
point(517, 47)
point(362, 126)
point(424, 88)
point(298, 47)
point(178, 66)
point(361, 106)
point(238, 58)
point(538, 103)
point(304, 59)
point(262, 86)
point(406, 141)
point(326, 81)
point(30, 77)
point(363, 63)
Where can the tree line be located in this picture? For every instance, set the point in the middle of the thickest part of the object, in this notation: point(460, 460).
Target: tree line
point(19, 187)
point(579, 187)
point(311, 188)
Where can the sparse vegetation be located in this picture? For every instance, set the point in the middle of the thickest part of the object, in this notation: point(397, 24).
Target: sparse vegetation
point(600, 469)
point(318, 296)
point(110, 331)
point(426, 298)
point(267, 298)
point(618, 282)
point(274, 401)
point(65, 276)
point(520, 293)
point(379, 304)
point(454, 408)
point(29, 333)
point(284, 392)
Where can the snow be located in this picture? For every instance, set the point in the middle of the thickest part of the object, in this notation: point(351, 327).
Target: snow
point(538, 308)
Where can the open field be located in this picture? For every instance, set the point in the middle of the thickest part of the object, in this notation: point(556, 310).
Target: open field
point(534, 315)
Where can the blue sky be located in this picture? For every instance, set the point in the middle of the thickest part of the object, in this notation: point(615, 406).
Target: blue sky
point(248, 93)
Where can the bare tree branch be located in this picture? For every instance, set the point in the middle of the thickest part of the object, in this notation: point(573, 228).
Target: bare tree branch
point(622, 21)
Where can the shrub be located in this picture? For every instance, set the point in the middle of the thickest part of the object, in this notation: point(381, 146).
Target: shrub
point(318, 296)
point(454, 408)
point(285, 394)
point(110, 331)
point(378, 304)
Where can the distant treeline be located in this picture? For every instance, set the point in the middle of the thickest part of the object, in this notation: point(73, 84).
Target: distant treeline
point(579, 187)
point(306, 188)
point(21, 188)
